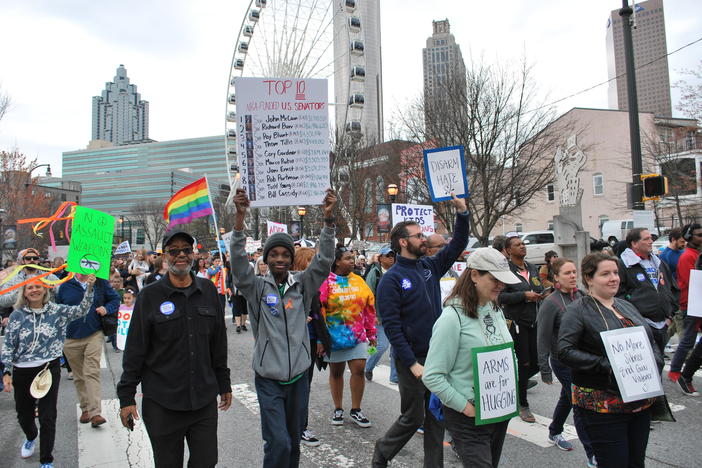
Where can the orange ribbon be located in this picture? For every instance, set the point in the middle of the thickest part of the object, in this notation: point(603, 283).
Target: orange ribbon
point(40, 279)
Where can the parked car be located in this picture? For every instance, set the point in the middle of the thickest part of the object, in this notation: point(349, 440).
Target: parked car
point(617, 229)
point(537, 244)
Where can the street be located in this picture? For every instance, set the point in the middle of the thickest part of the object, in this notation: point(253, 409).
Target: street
point(240, 444)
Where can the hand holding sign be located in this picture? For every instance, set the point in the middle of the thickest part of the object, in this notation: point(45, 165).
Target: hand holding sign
point(458, 203)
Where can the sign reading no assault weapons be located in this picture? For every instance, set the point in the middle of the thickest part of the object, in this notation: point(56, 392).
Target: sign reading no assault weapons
point(90, 249)
point(283, 140)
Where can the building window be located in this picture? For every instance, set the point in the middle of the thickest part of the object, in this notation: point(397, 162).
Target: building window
point(518, 227)
point(551, 192)
point(140, 237)
point(601, 220)
point(550, 226)
point(598, 184)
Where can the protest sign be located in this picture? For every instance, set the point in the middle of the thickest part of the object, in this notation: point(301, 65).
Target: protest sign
point(383, 212)
point(124, 318)
point(276, 227)
point(633, 364)
point(283, 140)
point(694, 295)
point(123, 248)
point(446, 285)
point(252, 245)
point(495, 383)
point(225, 241)
point(421, 214)
point(459, 267)
point(445, 170)
point(90, 249)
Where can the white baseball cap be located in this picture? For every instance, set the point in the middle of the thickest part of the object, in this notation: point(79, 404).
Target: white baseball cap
point(492, 261)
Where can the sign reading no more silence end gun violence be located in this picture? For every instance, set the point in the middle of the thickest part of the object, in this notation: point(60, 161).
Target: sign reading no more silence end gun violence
point(495, 383)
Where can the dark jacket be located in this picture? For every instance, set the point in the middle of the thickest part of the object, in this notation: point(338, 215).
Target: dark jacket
point(513, 300)
point(580, 345)
point(636, 287)
point(548, 324)
point(71, 293)
point(409, 296)
point(176, 346)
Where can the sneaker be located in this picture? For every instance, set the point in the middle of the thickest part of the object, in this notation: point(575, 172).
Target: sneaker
point(526, 415)
point(358, 418)
point(27, 449)
point(338, 418)
point(687, 387)
point(47, 465)
point(420, 430)
point(674, 376)
point(592, 462)
point(531, 383)
point(70, 376)
point(369, 375)
point(393, 382)
point(309, 439)
point(560, 442)
point(238, 329)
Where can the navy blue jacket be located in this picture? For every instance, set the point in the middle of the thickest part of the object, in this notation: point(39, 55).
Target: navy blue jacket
point(408, 296)
point(71, 293)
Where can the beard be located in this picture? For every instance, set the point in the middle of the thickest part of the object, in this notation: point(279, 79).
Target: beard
point(179, 271)
point(417, 250)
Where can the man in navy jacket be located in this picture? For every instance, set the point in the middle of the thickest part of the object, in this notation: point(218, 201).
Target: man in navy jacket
point(84, 342)
point(409, 299)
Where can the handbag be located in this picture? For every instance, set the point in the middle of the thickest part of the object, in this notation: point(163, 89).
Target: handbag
point(108, 323)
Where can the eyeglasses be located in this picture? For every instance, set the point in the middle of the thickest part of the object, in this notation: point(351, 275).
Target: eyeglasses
point(30, 259)
point(419, 235)
point(174, 252)
point(390, 254)
point(440, 246)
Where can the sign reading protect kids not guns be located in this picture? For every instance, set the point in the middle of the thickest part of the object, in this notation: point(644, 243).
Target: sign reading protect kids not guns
point(90, 249)
point(283, 140)
point(421, 214)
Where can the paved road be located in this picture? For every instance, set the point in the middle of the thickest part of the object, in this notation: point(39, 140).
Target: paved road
point(240, 445)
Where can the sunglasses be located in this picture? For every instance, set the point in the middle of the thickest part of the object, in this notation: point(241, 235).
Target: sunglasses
point(390, 254)
point(174, 252)
point(30, 259)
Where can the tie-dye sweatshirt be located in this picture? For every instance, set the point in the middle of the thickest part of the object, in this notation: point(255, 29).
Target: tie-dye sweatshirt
point(348, 308)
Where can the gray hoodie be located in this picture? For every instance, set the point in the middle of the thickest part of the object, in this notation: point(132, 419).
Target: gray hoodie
point(280, 323)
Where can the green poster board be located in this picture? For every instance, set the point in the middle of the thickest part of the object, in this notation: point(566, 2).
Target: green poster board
point(90, 249)
point(495, 382)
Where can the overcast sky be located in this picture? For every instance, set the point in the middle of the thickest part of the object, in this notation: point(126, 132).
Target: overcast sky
point(56, 55)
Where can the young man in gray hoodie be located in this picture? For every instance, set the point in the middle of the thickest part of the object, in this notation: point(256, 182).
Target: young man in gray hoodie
point(278, 305)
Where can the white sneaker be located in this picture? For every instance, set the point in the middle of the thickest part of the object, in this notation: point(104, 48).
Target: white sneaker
point(358, 418)
point(309, 439)
point(27, 449)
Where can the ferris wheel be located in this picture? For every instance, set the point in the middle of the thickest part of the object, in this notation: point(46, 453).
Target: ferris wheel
point(300, 39)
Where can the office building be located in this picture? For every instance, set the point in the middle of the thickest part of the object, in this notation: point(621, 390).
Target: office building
point(358, 70)
point(650, 49)
point(443, 64)
point(114, 179)
point(119, 114)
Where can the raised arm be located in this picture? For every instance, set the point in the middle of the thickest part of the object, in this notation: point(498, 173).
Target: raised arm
point(242, 272)
point(447, 256)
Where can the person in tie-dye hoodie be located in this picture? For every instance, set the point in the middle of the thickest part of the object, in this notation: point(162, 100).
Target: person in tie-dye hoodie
point(348, 309)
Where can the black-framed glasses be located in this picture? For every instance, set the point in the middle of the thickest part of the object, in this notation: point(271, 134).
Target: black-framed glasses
point(390, 254)
point(418, 236)
point(30, 259)
point(174, 252)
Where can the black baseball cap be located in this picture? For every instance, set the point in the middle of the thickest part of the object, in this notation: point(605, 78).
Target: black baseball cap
point(170, 236)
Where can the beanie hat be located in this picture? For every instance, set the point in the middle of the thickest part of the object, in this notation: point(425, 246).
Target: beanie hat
point(279, 239)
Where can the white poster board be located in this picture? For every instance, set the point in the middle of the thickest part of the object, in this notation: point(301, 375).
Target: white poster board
point(694, 295)
point(445, 170)
point(633, 364)
point(421, 214)
point(123, 248)
point(495, 383)
point(124, 318)
point(459, 267)
point(276, 227)
point(446, 285)
point(283, 140)
point(252, 245)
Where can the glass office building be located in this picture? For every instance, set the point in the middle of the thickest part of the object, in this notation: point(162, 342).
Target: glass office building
point(114, 179)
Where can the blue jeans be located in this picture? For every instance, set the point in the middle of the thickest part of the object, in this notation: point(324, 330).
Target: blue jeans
point(283, 413)
point(562, 410)
point(687, 341)
point(383, 345)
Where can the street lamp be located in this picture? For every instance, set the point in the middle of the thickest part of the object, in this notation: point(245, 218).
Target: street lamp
point(301, 211)
point(48, 169)
point(122, 220)
point(392, 191)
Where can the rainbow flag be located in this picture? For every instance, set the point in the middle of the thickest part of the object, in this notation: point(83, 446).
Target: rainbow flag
point(188, 203)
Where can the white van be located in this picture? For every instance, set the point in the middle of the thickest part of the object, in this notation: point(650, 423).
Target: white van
point(615, 230)
point(537, 244)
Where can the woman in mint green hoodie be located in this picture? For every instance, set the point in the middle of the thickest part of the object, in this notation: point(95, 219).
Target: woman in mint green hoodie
point(471, 318)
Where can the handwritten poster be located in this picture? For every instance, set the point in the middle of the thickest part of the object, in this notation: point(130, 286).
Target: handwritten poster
point(694, 297)
point(445, 171)
point(283, 140)
point(90, 249)
point(633, 364)
point(495, 383)
point(459, 267)
point(446, 285)
point(276, 227)
point(252, 245)
point(421, 214)
point(124, 318)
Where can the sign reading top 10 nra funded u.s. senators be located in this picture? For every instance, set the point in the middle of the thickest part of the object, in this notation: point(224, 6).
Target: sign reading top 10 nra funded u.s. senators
point(283, 140)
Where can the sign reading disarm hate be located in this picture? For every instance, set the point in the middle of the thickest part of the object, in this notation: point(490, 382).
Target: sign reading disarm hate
point(445, 171)
point(90, 249)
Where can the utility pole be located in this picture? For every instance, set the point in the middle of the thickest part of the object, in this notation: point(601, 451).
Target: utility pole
point(634, 131)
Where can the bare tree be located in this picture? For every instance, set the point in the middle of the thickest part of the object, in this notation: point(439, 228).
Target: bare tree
point(5, 103)
point(149, 215)
point(691, 93)
point(507, 135)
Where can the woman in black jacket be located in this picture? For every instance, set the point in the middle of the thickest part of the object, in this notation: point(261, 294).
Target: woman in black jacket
point(618, 431)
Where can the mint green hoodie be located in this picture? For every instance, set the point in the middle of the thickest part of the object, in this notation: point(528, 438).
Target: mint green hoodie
point(448, 370)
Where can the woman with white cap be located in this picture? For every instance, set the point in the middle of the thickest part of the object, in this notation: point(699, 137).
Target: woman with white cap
point(471, 318)
point(34, 342)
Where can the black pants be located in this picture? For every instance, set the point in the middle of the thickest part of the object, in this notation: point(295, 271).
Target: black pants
point(414, 411)
point(527, 359)
point(618, 440)
point(693, 362)
point(167, 430)
point(660, 338)
point(25, 404)
point(477, 446)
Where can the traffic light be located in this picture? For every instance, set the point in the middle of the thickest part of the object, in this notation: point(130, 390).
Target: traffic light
point(654, 186)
